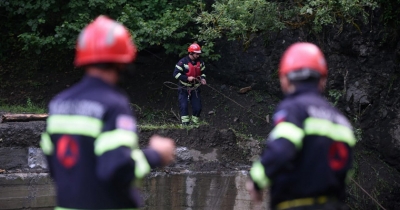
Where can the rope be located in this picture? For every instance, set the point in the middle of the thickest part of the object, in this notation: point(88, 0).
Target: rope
point(198, 80)
point(248, 109)
point(358, 185)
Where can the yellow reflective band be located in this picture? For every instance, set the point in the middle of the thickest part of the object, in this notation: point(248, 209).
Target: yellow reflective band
point(62, 208)
point(188, 84)
point(178, 67)
point(257, 174)
point(142, 167)
point(186, 66)
point(195, 119)
point(202, 68)
point(290, 132)
point(336, 132)
point(74, 125)
point(111, 140)
point(46, 144)
point(185, 118)
point(203, 75)
point(177, 75)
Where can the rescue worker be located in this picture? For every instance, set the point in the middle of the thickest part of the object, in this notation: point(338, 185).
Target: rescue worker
point(91, 141)
point(190, 71)
point(308, 153)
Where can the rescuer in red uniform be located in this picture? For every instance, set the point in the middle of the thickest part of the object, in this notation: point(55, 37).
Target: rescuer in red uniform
point(190, 71)
point(308, 156)
point(91, 139)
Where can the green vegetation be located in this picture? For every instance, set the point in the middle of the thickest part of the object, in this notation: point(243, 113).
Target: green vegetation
point(29, 107)
point(40, 26)
point(335, 95)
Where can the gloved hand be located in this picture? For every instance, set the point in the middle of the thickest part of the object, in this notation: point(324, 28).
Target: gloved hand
point(190, 78)
point(255, 195)
point(165, 147)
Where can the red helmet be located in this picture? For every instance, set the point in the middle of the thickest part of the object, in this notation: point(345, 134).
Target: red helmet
point(303, 55)
point(104, 41)
point(194, 48)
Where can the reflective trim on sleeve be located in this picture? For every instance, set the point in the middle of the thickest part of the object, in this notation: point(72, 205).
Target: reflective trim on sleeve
point(113, 139)
point(257, 174)
point(46, 144)
point(177, 75)
point(290, 132)
point(203, 75)
point(202, 68)
point(186, 66)
point(336, 132)
point(74, 125)
point(178, 67)
point(142, 167)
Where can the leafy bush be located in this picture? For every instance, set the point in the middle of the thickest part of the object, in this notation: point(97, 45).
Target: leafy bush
point(173, 24)
point(49, 23)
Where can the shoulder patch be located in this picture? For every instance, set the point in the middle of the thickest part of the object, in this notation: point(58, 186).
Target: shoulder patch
point(126, 122)
point(280, 116)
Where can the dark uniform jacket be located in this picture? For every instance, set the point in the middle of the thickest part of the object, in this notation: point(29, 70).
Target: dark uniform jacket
point(308, 152)
point(92, 148)
point(182, 68)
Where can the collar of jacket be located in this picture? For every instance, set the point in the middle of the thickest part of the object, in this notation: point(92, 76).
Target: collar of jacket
point(304, 88)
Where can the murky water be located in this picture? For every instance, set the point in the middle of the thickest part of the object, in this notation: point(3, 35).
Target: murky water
point(186, 191)
point(195, 191)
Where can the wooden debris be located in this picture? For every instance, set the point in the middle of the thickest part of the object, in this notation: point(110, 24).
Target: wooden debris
point(245, 89)
point(23, 117)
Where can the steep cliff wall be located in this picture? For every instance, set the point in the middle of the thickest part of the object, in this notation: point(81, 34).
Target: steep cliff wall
point(363, 83)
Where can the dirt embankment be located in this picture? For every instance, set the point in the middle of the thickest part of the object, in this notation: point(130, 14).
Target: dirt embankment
point(199, 149)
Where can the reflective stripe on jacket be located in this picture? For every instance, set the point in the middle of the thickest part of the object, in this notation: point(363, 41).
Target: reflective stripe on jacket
point(309, 151)
point(92, 148)
point(182, 69)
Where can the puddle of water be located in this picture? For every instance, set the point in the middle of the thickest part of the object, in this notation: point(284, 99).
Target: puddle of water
point(198, 191)
point(188, 191)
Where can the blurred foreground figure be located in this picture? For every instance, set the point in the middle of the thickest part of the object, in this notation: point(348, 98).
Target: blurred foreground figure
point(91, 141)
point(309, 152)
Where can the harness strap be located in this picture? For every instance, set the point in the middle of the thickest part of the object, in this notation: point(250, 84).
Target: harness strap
point(304, 202)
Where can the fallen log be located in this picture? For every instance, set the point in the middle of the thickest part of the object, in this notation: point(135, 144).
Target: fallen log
point(22, 117)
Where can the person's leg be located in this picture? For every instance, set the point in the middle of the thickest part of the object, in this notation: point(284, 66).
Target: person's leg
point(183, 106)
point(195, 100)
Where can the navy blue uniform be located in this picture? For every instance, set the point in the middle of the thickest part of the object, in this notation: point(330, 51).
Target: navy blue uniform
point(92, 148)
point(308, 153)
point(189, 91)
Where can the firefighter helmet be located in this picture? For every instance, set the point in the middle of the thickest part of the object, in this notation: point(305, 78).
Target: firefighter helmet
point(303, 56)
point(194, 48)
point(104, 41)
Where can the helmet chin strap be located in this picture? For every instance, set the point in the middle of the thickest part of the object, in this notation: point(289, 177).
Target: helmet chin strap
point(191, 56)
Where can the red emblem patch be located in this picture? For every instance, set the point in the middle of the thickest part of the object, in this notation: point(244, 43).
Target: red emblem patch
point(338, 155)
point(67, 151)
